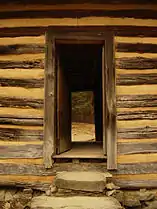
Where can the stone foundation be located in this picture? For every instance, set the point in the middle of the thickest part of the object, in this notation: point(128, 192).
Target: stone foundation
point(21, 198)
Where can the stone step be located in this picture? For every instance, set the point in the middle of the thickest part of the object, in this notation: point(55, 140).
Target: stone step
point(83, 181)
point(79, 202)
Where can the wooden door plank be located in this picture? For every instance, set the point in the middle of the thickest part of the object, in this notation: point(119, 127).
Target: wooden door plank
point(63, 110)
point(111, 131)
point(104, 101)
point(49, 104)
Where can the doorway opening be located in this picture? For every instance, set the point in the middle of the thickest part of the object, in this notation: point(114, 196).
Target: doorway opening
point(79, 100)
point(83, 122)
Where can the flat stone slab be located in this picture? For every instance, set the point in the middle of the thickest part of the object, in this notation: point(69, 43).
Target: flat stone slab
point(83, 181)
point(79, 202)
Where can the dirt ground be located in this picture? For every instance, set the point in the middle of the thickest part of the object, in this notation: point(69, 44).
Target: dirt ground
point(83, 132)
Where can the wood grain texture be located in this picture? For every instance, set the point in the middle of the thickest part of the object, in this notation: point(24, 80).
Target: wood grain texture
point(83, 5)
point(31, 83)
point(135, 148)
point(136, 63)
point(137, 114)
point(21, 49)
point(137, 47)
point(135, 40)
point(21, 93)
point(25, 40)
point(39, 63)
point(118, 30)
point(137, 133)
point(110, 103)
point(21, 102)
point(136, 79)
point(21, 151)
point(136, 13)
point(37, 182)
point(131, 101)
point(100, 21)
point(136, 89)
point(20, 133)
point(50, 101)
point(137, 158)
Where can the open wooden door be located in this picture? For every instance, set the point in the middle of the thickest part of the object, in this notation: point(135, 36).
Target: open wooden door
point(63, 109)
point(104, 136)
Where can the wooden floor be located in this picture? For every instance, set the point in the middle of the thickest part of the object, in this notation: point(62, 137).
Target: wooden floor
point(84, 150)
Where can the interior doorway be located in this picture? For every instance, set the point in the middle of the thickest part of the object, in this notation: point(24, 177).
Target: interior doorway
point(96, 48)
point(79, 75)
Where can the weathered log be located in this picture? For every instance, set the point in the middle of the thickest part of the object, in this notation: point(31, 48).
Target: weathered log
point(21, 151)
point(136, 184)
point(22, 121)
point(137, 115)
point(136, 79)
point(136, 47)
point(136, 63)
point(21, 102)
point(137, 148)
point(137, 101)
point(12, 134)
point(22, 49)
point(118, 30)
point(134, 13)
point(22, 64)
point(137, 133)
point(27, 83)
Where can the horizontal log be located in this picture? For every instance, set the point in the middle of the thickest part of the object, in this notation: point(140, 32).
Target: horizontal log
point(25, 74)
point(21, 49)
point(26, 40)
point(137, 115)
point(131, 101)
point(83, 21)
point(28, 113)
point(135, 40)
point(136, 13)
point(128, 31)
point(21, 93)
point(136, 79)
point(136, 89)
point(22, 64)
point(39, 170)
point(139, 71)
point(136, 148)
point(80, 5)
point(136, 168)
point(21, 121)
point(21, 102)
point(136, 63)
point(31, 83)
point(140, 48)
point(20, 133)
point(137, 158)
point(137, 133)
point(22, 57)
point(35, 182)
point(136, 184)
point(21, 151)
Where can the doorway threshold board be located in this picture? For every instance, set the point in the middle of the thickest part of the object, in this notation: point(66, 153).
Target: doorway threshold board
point(83, 150)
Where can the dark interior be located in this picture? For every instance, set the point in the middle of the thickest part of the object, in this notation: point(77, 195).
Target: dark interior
point(82, 63)
point(82, 66)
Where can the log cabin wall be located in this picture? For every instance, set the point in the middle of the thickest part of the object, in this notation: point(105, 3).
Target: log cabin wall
point(136, 70)
point(22, 52)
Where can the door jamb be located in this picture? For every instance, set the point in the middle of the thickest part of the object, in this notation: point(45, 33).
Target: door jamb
point(107, 38)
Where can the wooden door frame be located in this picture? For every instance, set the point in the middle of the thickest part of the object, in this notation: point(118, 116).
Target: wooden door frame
point(54, 36)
